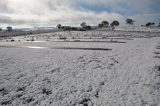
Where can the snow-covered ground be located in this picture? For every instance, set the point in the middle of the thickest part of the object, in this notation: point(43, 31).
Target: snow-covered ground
point(113, 71)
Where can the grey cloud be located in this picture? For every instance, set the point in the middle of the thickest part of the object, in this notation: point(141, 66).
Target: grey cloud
point(39, 12)
point(5, 19)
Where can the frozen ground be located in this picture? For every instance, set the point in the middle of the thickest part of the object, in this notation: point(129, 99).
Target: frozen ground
point(45, 73)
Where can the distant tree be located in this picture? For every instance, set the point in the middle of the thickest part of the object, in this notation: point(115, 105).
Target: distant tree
point(85, 27)
point(59, 26)
point(105, 23)
point(115, 23)
point(62, 27)
point(130, 22)
point(0, 29)
point(82, 29)
point(9, 29)
point(100, 25)
point(150, 24)
point(66, 28)
point(88, 27)
point(74, 28)
point(83, 24)
point(153, 23)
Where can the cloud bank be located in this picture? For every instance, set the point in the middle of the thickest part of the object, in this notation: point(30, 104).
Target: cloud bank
point(72, 12)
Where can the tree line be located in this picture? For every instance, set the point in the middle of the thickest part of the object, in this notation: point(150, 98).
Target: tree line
point(9, 29)
point(84, 25)
point(103, 24)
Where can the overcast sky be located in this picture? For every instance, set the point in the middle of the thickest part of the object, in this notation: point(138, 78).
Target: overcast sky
point(31, 13)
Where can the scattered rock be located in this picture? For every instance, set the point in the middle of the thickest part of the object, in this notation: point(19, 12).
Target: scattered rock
point(20, 76)
point(110, 65)
point(89, 88)
point(3, 91)
point(18, 95)
point(157, 68)
point(101, 83)
point(116, 61)
point(55, 70)
point(85, 101)
point(46, 91)
point(28, 100)
point(157, 86)
point(6, 102)
point(157, 57)
point(21, 89)
point(97, 94)
point(12, 40)
point(156, 52)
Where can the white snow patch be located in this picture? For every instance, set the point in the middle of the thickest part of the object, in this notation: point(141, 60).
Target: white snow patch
point(34, 47)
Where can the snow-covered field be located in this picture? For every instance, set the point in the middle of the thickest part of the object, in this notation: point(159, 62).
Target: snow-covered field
point(91, 69)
